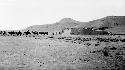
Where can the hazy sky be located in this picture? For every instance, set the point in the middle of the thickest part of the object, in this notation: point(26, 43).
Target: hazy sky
point(18, 14)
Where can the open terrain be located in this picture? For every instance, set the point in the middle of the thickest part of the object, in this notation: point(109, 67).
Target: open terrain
point(63, 51)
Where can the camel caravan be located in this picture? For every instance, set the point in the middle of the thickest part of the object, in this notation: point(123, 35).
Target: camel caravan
point(21, 33)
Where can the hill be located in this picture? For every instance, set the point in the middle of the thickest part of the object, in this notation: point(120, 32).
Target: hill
point(62, 24)
point(115, 24)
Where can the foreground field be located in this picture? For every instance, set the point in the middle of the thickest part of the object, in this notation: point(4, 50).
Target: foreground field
point(55, 53)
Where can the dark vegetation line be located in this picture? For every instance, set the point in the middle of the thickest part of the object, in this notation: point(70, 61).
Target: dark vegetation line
point(79, 40)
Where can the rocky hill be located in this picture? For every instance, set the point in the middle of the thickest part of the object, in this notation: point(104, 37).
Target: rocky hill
point(115, 24)
point(62, 24)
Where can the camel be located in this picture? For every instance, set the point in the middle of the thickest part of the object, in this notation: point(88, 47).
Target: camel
point(19, 33)
point(12, 33)
point(35, 32)
point(43, 33)
point(27, 33)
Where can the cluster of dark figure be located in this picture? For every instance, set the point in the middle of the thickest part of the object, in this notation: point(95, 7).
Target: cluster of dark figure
point(19, 33)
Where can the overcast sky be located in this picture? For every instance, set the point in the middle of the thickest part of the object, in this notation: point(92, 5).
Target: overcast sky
point(19, 14)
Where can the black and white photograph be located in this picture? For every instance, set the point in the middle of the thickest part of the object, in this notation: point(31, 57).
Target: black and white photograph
point(62, 34)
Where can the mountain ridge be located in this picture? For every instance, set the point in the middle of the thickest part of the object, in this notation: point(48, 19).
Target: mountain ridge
point(111, 22)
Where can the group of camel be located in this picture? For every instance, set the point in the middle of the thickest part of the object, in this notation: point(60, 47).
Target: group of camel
point(21, 33)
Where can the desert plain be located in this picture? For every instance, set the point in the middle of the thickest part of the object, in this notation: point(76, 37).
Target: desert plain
point(68, 46)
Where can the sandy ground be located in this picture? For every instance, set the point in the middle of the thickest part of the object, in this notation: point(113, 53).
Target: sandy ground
point(22, 53)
